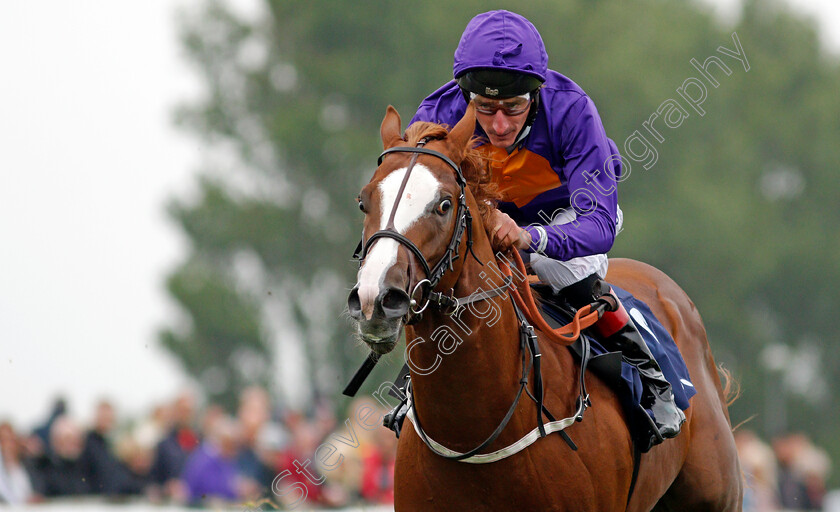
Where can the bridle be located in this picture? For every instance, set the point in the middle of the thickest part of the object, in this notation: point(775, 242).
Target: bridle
point(448, 304)
point(433, 275)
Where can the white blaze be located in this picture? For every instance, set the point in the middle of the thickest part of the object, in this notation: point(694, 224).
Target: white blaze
point(421, 189)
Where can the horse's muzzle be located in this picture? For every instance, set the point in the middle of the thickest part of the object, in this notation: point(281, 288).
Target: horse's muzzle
point(392, 303)
point(380, 324)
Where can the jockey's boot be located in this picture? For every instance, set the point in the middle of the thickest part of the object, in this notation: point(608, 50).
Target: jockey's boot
point(617, 331)
point(395, 418)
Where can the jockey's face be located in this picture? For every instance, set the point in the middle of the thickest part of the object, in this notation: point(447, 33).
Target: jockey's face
point(502, 120)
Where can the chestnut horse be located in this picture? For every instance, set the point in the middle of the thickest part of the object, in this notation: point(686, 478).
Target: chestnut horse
point(466, 367)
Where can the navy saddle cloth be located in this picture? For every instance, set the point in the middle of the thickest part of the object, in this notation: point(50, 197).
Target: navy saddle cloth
point(661, 345)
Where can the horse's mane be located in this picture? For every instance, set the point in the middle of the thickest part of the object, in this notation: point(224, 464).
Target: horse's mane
point(475, 167)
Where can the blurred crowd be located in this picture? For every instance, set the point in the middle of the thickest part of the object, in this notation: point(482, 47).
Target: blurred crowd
point(183, 454)
point(204, 456)
point(788, 473)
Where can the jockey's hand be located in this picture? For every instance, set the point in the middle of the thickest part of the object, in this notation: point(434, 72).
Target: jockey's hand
point(505, 234)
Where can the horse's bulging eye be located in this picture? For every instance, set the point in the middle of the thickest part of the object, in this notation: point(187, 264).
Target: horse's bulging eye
point(444, 206)
point(362, 206)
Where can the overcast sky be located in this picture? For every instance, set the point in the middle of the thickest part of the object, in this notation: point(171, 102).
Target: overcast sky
point(88, 158)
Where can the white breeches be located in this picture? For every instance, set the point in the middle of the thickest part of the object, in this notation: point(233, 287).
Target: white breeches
point(560, 274)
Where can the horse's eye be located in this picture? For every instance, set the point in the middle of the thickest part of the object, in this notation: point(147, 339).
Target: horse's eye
point(362, 206)
point(444, 206)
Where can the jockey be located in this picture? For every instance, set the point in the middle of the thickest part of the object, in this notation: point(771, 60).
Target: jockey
point(557, 172)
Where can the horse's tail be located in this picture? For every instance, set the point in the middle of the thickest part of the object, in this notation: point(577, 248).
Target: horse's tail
point(731, 392)
point(731, 387)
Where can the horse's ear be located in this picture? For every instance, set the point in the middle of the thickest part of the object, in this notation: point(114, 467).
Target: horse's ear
point(390, 129)
point(460, 135)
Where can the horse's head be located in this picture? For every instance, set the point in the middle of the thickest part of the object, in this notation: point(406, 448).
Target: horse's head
point(415, 216)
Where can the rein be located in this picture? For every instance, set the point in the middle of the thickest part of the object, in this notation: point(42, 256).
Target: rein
point(585, 317)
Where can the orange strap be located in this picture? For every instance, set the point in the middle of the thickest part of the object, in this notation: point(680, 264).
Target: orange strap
point(522, 295)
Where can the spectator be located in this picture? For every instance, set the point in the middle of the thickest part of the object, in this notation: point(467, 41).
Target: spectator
point(378, 463)
point(61, 471)
point(272, 441)
point(350, 473)
point(151, 429)
point(802, 472)
point(759, 466)
point(104, 473)
point(136, 456)
point(306, 436)
point(253, 415)
point(211, 414)
point(42, 433)
point(15, 486)
point(210, 472)
point(172, 451)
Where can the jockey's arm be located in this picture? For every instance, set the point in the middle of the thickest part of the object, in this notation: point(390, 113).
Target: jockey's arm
point(586, 150)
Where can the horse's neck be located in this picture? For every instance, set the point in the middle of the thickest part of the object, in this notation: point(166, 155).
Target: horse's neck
point(466, 368)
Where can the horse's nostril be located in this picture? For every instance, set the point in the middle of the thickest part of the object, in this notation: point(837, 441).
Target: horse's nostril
point(394, 303)
point(392, 300)
point(354, 304)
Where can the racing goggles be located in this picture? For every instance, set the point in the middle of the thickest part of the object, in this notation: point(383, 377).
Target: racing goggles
point(510, 106)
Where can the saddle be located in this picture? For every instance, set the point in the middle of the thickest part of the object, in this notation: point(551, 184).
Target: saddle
point(557, 313)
